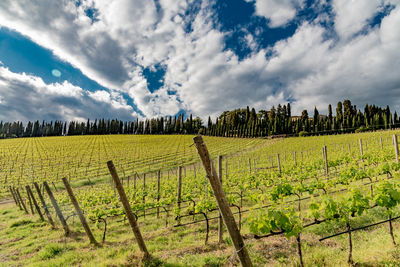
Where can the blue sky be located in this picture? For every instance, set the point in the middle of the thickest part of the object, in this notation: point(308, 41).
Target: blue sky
point(126, 59)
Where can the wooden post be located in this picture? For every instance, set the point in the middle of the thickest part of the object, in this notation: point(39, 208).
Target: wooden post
point(348, 145)
point(158, 192)
point(226, 168)
point(325, 156)
point(30, 202)
point(361, 146)
point(179, 192)
point(249, 165)
point(381, 142)
point(79, 211)
point(279, 162)
point(220, 221)
point(396, 147)
point(21, 201)
point(128, 210)
point(294, 158)
point(46, 210)
point(14, 194)
point(144, 195)
point(28, 189)
point(134, 181)
point(57, 208)
point(223, 204)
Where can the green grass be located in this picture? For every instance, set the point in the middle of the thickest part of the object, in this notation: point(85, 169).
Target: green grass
point(26, 241)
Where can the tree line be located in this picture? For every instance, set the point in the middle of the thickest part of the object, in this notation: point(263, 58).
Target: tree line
point(244, 122)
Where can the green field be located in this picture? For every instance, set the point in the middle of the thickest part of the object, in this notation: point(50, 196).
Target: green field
point(292, 197)
point(83, 158)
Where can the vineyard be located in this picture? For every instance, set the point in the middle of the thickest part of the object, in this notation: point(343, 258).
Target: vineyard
point(307, 201)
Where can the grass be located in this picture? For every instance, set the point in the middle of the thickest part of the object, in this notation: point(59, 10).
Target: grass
point(26, 241)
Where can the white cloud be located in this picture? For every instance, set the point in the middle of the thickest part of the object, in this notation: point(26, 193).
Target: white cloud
point(26, 97)
point(279, 12)
point(352, 16)
point(132, 35)
point(361, 70)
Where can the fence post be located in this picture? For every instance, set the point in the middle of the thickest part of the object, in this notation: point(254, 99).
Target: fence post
point(28, 189)
point(396, 147)
point(30, 202)
point(325, 155)
point(226, 168)
point(21, 201)
point(144, 195)
point(14, 194)
point(279, 162)
point(158, 192)
point(220, 221)
point(46, 211)
point(249, 165)
point(57, 208)
point(179, 192)
point(79, 211)
point(223, 204)
point(361, 147)
point(128, 210)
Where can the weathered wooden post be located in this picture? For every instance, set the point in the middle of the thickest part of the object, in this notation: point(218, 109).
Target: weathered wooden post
point(179, 191)
point(325, 156)
point(396, 147)
point(294, 158)
point(14, 194)
point(128, 210)
point(249, 165)
point(158, 192)
point(381, 142)
point(46, 211)
point(28, 189)
point(223, 204)
point(144, 195)
point(30, 202)
point(279, 162)
point(361, 147)
point(226, 168)
point(79, 211)
point(21, 201)
point(57, 208)
point(220, 221)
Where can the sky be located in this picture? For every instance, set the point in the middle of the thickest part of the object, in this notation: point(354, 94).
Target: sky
point(80, 59)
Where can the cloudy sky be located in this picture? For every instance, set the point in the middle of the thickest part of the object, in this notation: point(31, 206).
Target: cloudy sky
point(78, 59)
